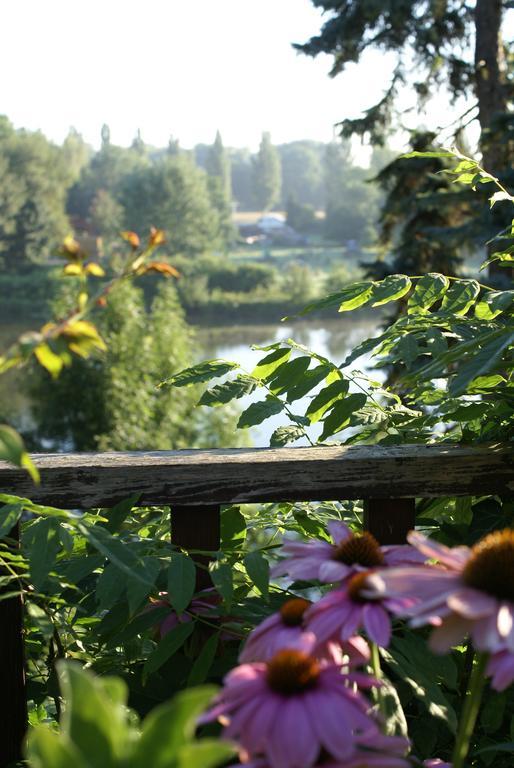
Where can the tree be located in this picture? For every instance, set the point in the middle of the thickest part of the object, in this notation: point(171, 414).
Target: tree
point(302, 172)
point(242, 178)
point(75, 154)
point(434, 36)
point(351, 204)
point(173, 194)
point(266, 174)
point(107, 171)
point(34, 177)
point(220, 187)
point(106, 215)
point(218, 165)
point(110, 402)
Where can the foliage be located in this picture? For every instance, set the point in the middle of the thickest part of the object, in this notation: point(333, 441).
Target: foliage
point(106, 588)
point(266, 171)
point(73, 334)
point(110, 402)
point(430, 43)
point(97, 718)
point(175, 193)
point(301, 216)
point(349, 199)
point(33, 219)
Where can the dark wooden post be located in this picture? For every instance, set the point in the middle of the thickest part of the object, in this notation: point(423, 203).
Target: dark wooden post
point(389, 520)
point(197, 528)
point(13, 721)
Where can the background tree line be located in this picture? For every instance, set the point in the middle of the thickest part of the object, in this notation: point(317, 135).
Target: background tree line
point(49, 191)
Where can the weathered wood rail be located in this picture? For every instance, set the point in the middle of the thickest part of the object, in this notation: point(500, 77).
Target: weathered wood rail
point(195, 483)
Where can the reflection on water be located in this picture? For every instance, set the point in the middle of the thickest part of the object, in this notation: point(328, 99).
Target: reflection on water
point(332, 338)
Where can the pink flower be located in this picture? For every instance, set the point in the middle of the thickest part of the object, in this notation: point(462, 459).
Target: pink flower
point(385, 752)
point(286, 629)
point(436, 763)
point(289, 709)
point(471, 592)
point(343, 612)
point(203, 605)
point(349, 554)
point(500, 668)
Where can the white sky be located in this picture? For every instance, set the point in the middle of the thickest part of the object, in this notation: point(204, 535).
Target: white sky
point(181, 67)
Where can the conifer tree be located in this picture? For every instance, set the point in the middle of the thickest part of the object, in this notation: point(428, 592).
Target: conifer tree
point(266, 174)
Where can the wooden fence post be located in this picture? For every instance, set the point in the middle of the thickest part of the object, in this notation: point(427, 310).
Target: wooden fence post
point(197, 528)
point(390, 520)
point(13, 722)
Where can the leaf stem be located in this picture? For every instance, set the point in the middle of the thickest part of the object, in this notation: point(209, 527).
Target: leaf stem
point(470, 710)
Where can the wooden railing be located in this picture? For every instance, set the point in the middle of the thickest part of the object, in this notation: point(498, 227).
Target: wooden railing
point(195, 484)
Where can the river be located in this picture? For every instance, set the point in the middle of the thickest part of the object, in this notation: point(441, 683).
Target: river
point(331, 338)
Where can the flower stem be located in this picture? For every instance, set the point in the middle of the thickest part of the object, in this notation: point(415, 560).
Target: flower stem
point(470, 710)
point(377, 673)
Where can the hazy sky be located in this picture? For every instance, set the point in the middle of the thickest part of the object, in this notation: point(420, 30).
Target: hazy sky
point(181, 67)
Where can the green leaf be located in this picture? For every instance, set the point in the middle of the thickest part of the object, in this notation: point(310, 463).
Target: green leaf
point(9, 516)
point(356, 296)
point(221, 575)
point(499, 196)
point(181, 581)
point(210, 369)
point(284, 435)
point(203, 662)
point(117, 515)
point(428, 290)
point(493, 711)
point(493, 304)
point(308, 381)
point(233, 526)
point(44, 548)
point(423, 684)
point(206, 753)
point(168, 645)
point(110, 586)
point(435, 153)
point(325, 399)
point(115, 550)
point(95, 714)
point(339, 416)
point(391, 288)
point(13, 450)
point(460, 296)
point(257, 568)
point(394, 716)
point(227, 391)
point(271, 362)
point(139, 589)
point(169, 727)
point(258, 412)
point(481, 363)
point(47, 748)
point(288, 375)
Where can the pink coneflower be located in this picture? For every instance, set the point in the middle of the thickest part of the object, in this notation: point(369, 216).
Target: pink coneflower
point(500, 668)
point(385, 752)
point(436, 763)
point(203, 605)
point(343, 612)
point(471, 592)
point(349, 554)
point(286, 629)
point(291, 708)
